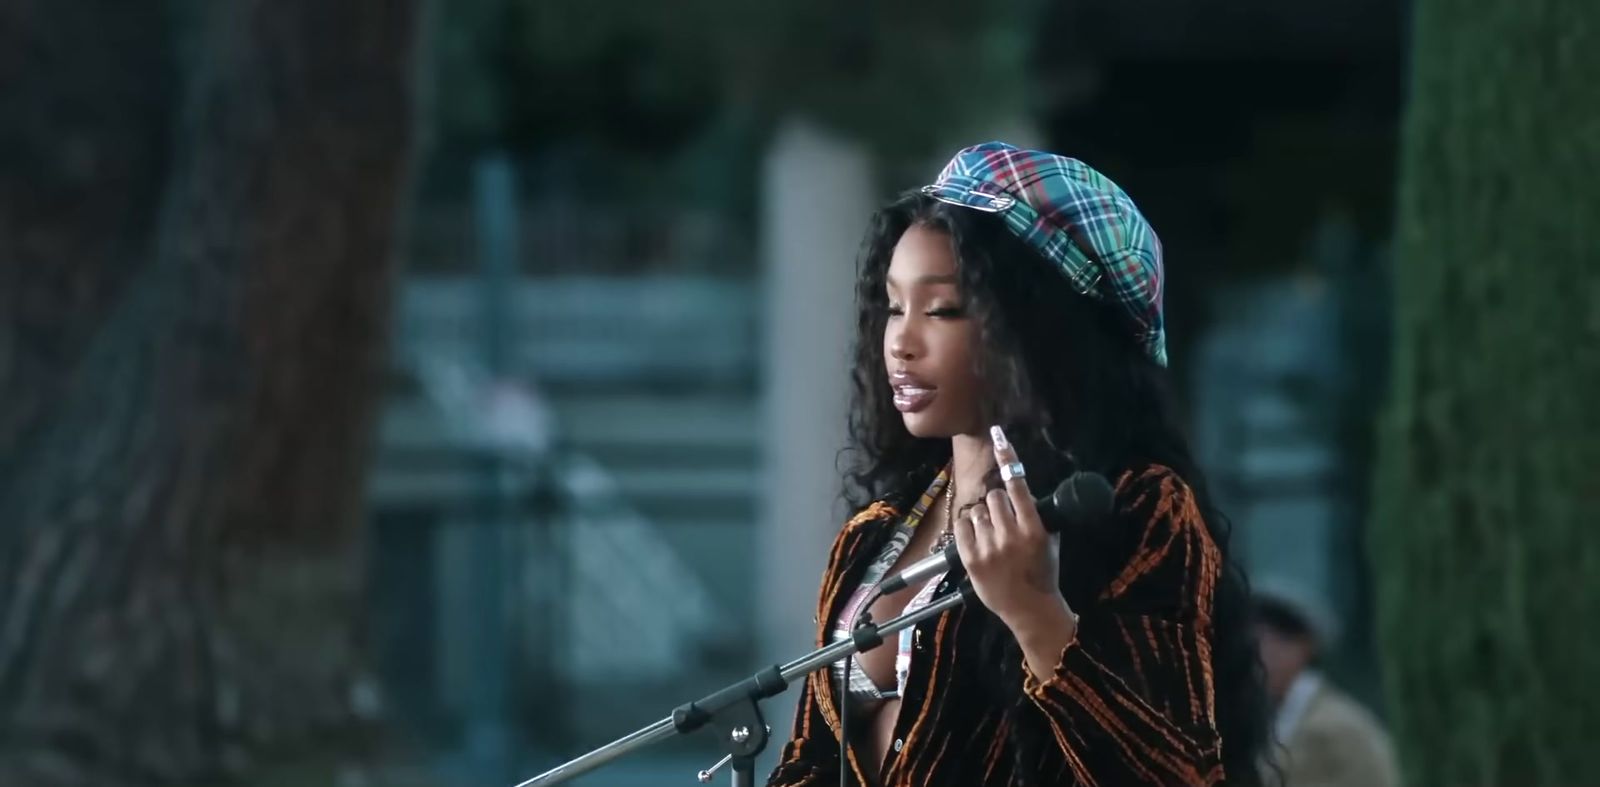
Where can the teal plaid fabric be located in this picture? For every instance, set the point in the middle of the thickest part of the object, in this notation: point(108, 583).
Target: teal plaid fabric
point(1076, 217)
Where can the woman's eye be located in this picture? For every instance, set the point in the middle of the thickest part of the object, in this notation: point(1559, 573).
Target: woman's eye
point(946, 312)
point(896, 309)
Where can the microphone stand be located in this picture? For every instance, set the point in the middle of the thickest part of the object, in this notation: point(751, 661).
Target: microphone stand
point(732, 711)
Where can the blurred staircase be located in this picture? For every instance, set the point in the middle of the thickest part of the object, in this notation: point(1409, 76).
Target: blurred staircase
point(634, 400)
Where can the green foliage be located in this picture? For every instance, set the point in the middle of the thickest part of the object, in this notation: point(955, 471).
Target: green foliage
point(1485, 544)
point(904, 76)
point(648, 76)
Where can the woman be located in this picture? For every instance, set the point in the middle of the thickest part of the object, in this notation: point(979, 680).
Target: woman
point(1010, 334)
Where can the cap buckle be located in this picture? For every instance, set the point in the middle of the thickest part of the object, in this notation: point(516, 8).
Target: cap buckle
point(985, 202)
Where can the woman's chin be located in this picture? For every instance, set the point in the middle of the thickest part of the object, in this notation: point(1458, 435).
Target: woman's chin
point(922, 425)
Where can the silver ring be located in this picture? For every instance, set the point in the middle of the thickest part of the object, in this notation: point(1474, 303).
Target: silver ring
point(1012, 470)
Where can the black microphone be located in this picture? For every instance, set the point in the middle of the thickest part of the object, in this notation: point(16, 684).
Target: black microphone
point(1080, 501)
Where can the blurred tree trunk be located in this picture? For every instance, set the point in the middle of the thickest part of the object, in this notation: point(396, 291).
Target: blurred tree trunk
point(180, 516)
point(86, 99)
point(1485, 545)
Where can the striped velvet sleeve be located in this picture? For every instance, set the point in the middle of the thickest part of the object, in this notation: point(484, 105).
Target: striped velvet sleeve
point(1132, 701)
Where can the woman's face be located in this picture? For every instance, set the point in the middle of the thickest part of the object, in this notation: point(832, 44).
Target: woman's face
point(929, 340)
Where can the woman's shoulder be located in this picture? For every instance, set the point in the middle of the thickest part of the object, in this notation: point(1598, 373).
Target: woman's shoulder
point(1155, 494)
point(1174, 559)
point(875, 512)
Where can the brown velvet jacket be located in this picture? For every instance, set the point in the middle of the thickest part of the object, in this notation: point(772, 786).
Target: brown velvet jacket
point(1131, 701)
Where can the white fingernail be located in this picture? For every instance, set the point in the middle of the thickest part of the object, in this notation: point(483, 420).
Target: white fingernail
point(999, 438)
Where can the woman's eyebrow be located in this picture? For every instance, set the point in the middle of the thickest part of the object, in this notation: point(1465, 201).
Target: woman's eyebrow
point(931, 278)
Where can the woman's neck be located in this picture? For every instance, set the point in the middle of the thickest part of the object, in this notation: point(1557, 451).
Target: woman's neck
point(971, 458)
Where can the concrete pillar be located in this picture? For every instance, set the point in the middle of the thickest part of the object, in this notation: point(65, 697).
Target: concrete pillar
point(817, 196)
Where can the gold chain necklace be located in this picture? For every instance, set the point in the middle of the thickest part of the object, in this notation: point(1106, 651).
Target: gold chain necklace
point(949, 533)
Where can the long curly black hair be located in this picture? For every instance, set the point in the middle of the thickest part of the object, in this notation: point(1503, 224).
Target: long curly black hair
point(1065, 376)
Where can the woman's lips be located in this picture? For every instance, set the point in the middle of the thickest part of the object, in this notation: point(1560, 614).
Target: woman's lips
point(911, 394)
point(910, 400)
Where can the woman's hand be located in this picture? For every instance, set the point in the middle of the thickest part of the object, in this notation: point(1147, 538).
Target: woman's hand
point(1014, 563)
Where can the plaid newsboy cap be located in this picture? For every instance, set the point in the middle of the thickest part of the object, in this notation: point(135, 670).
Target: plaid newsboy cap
point(1074, 216)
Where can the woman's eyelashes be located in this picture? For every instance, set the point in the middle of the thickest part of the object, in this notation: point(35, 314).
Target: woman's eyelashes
point(940, 311)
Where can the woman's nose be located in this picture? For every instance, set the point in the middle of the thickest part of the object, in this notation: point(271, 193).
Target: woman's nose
point(903, 345)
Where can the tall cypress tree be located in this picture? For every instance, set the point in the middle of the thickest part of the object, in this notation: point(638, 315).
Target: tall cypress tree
point(1485, 543)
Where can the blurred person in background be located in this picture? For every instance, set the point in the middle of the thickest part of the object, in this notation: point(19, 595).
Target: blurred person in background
point(1010, 333)
point(1322, 736)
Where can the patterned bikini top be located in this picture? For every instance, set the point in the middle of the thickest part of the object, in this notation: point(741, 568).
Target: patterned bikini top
point(862, 689)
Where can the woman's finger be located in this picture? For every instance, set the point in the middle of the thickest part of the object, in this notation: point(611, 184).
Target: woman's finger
point(982, 532)
point(1003, 523)
point(1015, 477)
point(966, 538)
